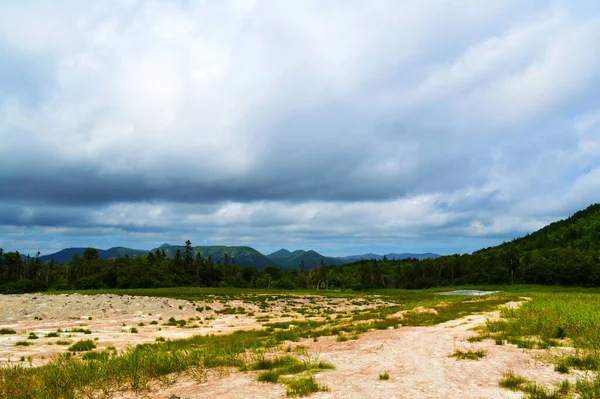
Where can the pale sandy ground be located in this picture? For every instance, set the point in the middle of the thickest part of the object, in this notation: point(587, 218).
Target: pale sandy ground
point(416, 358)
point(112, 316)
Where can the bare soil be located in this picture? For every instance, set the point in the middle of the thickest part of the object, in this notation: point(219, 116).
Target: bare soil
point(109, 317)
point(417, 359)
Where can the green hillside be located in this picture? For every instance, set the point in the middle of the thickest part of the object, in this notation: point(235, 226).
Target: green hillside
point(67, 254)
point(243, 256)
point(310, 259)
point(580, 231)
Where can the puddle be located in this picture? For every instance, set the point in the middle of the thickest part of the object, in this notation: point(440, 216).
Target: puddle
point(468, 292)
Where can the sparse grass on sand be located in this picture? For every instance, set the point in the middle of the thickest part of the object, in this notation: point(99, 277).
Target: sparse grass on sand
point(469, 354)
point(561, 318)
point(82, 373)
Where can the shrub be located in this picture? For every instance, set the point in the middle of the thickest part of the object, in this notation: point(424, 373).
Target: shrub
point(469, 355)
point(303, 386)
point(384, 376)
point(82, 346)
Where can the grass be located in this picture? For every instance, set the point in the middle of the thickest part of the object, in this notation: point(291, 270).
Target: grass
point(384, 376)
point(95, 356)
point(22, 343)
point(6, 331)
point(52, 335)
point(469, 354)
point(512, 381)
point(566, 317)
point(138, 369)
point(532, 390)
point(82, 346)
point(275, 368)
point(77, 330)
point(303, 386)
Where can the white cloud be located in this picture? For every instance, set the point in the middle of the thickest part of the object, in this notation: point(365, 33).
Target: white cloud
point(340, 120)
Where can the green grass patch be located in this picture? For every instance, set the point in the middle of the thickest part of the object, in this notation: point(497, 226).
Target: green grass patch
point(469, 354)
point(303, 386)
point(274, 368)
point(384, 376)
point(6, 331)
point(101, 356)
point(512, 381)
point(82, 346)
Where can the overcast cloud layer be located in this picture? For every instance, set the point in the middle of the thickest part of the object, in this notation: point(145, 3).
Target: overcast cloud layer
point(343, 126)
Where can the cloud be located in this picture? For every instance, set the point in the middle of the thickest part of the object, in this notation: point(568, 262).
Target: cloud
point(307, 120)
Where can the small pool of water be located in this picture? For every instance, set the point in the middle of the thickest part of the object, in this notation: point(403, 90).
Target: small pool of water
point(467, 292)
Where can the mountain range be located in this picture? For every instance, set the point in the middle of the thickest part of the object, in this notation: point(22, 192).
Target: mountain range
point(67, 254)
point(290, 260)
point(390, 256)
point(242, 255)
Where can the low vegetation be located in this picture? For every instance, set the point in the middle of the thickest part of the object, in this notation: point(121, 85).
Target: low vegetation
point(469, 354)
point(83, 372)
point(562, 253)
point(550, 319)
point(303, 386)
point(384, 376)
point(82, 346)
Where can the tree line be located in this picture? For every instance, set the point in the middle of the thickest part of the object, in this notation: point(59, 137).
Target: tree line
point(563, 253)
point(503, 265)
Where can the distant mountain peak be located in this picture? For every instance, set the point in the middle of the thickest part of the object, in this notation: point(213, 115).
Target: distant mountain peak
point(281, 252)
point(165, 245)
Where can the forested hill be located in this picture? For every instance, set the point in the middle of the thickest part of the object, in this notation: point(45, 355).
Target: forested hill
point(580, 231)
point(304, 259)
point(240, 255)
point(67, 254)
point(566, 253)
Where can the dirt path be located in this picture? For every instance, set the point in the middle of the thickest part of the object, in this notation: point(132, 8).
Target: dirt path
point(416, 358)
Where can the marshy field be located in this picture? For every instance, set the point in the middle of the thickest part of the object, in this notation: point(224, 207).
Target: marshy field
point(520, 342)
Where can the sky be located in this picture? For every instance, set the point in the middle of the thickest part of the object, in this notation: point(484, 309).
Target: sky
point(342, 126)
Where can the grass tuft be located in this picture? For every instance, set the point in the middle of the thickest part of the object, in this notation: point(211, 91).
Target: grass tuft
point(384, 376)
point(303, 386)
point(469, 355)
point(512, 381)
point(82, 346)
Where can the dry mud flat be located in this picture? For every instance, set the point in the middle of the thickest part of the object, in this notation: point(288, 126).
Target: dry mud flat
point(108, 317)
point(416, 358)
